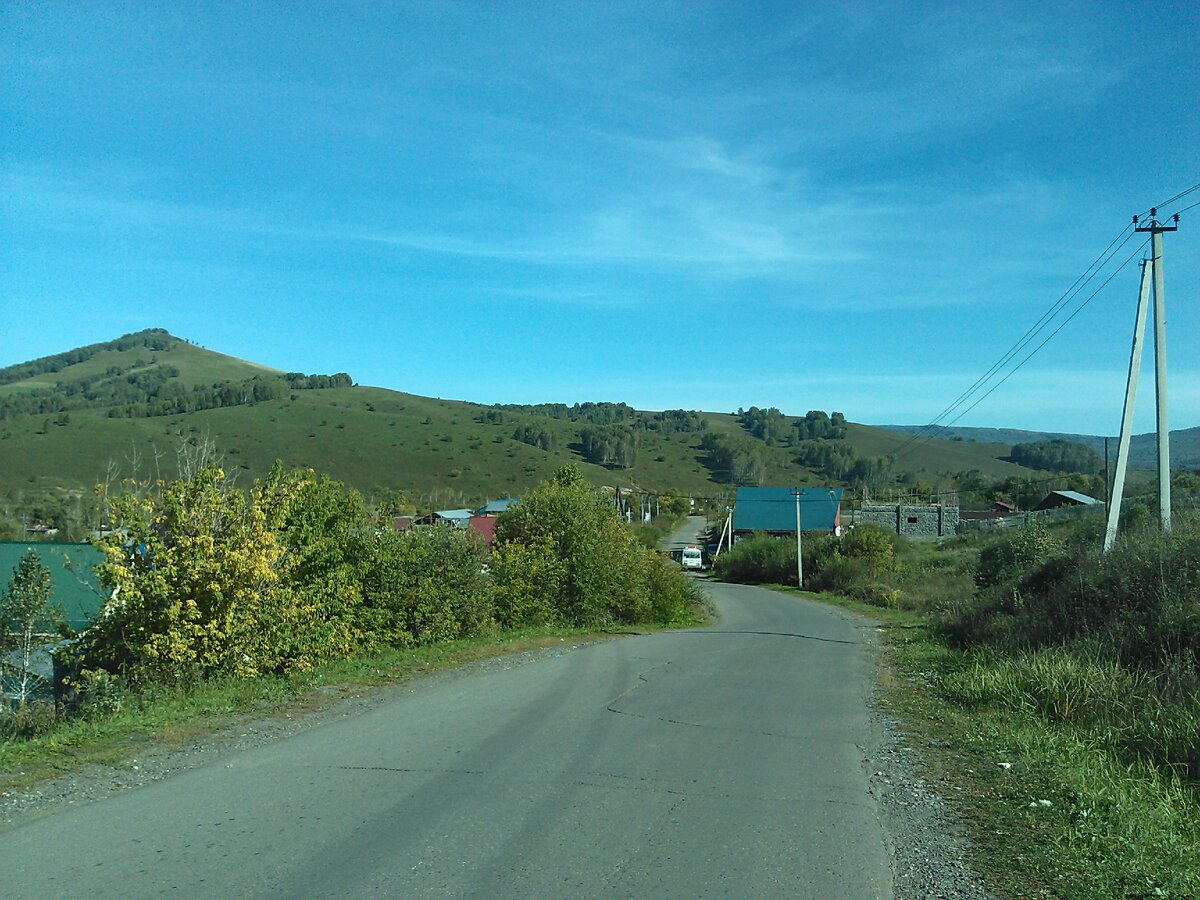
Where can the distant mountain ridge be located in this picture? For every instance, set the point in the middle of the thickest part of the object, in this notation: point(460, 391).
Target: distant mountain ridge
point(1143, 448)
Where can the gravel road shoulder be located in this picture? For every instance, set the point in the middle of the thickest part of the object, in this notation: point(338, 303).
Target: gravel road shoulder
point(930, 850)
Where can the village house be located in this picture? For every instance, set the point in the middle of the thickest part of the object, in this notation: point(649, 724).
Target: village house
point(496, 507)
point(772, 510)
point(455, 518)
point(1059, 499)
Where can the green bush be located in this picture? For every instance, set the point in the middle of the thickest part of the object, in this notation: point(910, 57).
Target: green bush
point(759, 559)
point(27, 721)
point(860, 578)
point(327, 545)
point(591, 543)
point(429, 584)
point(674, 599)
point(527, 583)
point(1010, 559)
point(1140, 602)
point(1108, 642)
point(600, 575)
point(872, 544)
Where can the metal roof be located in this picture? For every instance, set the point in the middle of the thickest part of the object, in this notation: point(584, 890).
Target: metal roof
point(1077, 497)
point(774, 509)
point(1066, 498)
point(495, 507)
point(485, 526)
point(75, 591)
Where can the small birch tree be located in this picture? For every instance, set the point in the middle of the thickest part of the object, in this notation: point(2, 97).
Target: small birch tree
point(26, 617)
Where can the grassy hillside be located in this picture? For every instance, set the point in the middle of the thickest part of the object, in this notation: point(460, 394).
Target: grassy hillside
point(935, 457)
point(1185, 443)
point(439, 452)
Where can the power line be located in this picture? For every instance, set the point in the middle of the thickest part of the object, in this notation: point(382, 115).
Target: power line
point(1029, 334)
point(920, 436)
point(924, 434)
point(1052, 334)
point(1179, 196)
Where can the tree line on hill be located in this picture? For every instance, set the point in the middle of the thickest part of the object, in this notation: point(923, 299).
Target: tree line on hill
point(535, 437)
point(1057, 456)
point(612, 432)
point(819, 442)
point(670, 421)
point(137, 392)
point(151, 339)
point(772, 427)
point(609, 446)
point(593, 413)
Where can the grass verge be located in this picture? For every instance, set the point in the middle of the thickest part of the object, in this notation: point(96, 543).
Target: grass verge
point(173, 716)
point(1051, 809)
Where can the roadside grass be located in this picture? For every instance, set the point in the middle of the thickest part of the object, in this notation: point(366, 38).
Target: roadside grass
point(175, 715)
point(1053, 807)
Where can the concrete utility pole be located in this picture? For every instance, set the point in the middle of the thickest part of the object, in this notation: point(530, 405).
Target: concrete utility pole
point(796, 492)
point(1156, 229)
point(1135, 364)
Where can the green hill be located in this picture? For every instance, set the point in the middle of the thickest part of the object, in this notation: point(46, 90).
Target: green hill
point(124, 408)
point(1185, 442)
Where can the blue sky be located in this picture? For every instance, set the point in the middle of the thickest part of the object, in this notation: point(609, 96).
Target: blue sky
point(857, 207)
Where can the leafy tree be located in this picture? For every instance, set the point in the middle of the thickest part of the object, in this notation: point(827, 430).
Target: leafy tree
point(874, 472)
point(672, 421)
point(535, 437)
point(769, 425)
point(609, 445)
point(27, 615)
point(676, 505)
point(834, 459)
point(600, 562)
point(732, 460)
point(871, 543)
point(325, 538)
point(192, 573)
point(816, 425)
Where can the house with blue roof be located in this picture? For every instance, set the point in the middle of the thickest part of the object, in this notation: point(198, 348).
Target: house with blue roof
point(495, 507)
point(75, 594)
point(772, 510)
point(75, 591)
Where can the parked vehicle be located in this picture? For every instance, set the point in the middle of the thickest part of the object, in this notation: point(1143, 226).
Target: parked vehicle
point(692, 558)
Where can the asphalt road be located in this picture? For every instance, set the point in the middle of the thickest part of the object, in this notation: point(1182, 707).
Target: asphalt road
point(715, 762)
point(687, 534)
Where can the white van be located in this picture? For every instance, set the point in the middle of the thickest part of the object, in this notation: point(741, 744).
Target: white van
point(692, 558)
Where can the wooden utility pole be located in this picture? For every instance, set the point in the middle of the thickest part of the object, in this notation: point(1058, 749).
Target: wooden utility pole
point(1156, 229)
